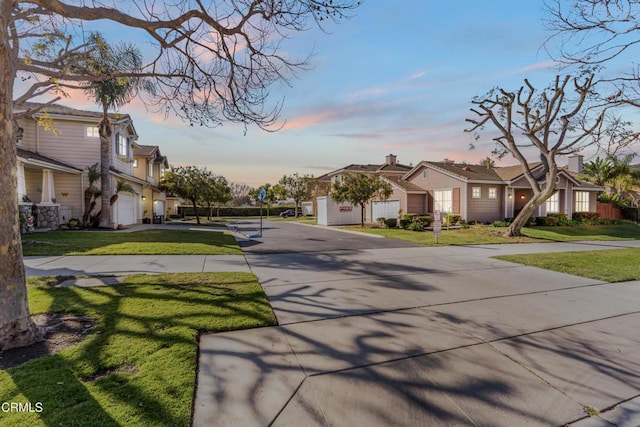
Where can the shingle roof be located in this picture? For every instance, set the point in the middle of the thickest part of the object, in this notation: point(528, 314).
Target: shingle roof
point(64, 110)
point(474, 172)
point(508, 173)
point(26, 154)
point(404, 184)
point(144, 150)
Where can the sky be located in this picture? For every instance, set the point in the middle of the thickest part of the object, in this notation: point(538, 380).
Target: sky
point(396, 78)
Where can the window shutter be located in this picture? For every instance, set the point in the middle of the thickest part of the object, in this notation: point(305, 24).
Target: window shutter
point(117, 143)
point(456, 200)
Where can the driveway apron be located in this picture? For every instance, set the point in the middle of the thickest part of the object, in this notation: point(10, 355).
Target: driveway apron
point(379, 332)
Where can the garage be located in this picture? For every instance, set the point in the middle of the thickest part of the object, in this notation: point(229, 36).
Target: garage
point(331, 212)
point(124, 210)
point(386, 209)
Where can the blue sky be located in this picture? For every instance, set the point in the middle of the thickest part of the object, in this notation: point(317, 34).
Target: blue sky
point(396, 78)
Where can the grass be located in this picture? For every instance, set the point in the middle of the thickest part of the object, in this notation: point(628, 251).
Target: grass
point(478, 235)
point(585, 232)
point(475, 235)
point(138, 366)
point(147, 242)
point(615, 265)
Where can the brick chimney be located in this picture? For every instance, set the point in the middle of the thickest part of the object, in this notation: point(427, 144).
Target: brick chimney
point(576, 163)
point(390, 159)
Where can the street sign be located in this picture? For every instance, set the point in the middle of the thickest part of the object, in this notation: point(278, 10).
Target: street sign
point(262, 194)
point(437, 224)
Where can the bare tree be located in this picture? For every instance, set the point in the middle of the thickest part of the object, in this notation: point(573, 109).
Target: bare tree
point(592, 33)
point(211, 61)
point(551, 123)
point(240, 193)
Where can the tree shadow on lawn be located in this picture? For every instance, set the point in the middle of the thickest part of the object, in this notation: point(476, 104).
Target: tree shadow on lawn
point(132, 369)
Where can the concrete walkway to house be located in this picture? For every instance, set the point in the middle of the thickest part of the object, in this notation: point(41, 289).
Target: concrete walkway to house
point(379, 332)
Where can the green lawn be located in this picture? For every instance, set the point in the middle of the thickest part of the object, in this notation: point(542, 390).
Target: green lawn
point(477, 235)
point(147, 242)
point(138, 367)
point(616, 265)
point(474, 235)
point(585, 232)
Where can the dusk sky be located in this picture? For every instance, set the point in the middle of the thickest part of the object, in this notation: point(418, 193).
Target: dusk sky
point(396, 78)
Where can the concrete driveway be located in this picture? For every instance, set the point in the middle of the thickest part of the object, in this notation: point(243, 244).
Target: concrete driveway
point(375, 335)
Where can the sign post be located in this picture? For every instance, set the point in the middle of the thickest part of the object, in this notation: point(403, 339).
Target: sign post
point(437, 225)
point(262, 194)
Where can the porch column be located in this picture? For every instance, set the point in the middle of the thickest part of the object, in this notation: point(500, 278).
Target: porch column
point(48, 190)
point(22, 185)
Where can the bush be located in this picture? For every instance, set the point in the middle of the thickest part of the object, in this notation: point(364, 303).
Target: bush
point(425, 220)
point(547, 221)
point(562, 219)
point(391, 222)
point(585, 216)
point(452, 219)
point(416, 226)
point(500, 224)
point(380, 220)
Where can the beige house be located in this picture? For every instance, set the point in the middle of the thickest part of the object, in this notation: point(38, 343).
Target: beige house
point(56, 145)
point(149, 165)
point(405, 196)
point(482, 194)
point(474, 192)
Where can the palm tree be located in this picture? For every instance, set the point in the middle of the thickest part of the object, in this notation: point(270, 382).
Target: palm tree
point(112, 93)
point(91, 193)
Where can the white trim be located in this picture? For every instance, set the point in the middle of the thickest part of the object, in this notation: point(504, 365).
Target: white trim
point(43, 164)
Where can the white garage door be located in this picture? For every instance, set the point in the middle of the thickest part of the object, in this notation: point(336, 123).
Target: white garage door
point(124, 210)
point(388, 209)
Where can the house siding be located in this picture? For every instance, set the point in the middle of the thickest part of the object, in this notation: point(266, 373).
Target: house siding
point(70, 203)
point(69, 145)
point(416, 203)
point(485, 209)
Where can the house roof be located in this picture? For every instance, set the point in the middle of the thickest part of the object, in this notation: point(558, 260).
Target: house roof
point(403, 184)
point(72, 113)
point(65, 111)
point(145, 150)
point(40, 160)
point(465, 171)
point(509, 173)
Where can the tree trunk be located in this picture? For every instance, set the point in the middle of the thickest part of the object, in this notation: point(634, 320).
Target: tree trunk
point(195, 209)
point(521, 220)
point(16, 327)
point(105, 176)
point(362, 214)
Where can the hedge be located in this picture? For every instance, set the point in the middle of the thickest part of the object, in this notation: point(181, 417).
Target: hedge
point(233, 211)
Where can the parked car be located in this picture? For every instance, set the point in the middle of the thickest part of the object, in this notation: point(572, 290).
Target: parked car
point(288, 213)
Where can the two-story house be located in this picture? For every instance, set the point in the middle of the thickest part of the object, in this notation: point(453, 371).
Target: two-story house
point(56, 146)
point(149, 165)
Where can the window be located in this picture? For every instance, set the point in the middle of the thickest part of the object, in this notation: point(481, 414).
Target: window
point(582, 201)
point(476, 192)
point(443, 200)
point(122, 145)
point(493, 193)
point(135, 163)
point(150, 167)
point(553, 203)
point(91, 132)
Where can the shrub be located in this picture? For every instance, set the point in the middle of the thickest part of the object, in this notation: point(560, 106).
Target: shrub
point(585, 216)
point(404, 223)
point(391, 222)
point(499, 224)
point(452, 219)
point(416, 226)
point(380, 220)
point(547, 221)
point(425, 220)
point(562, 219)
